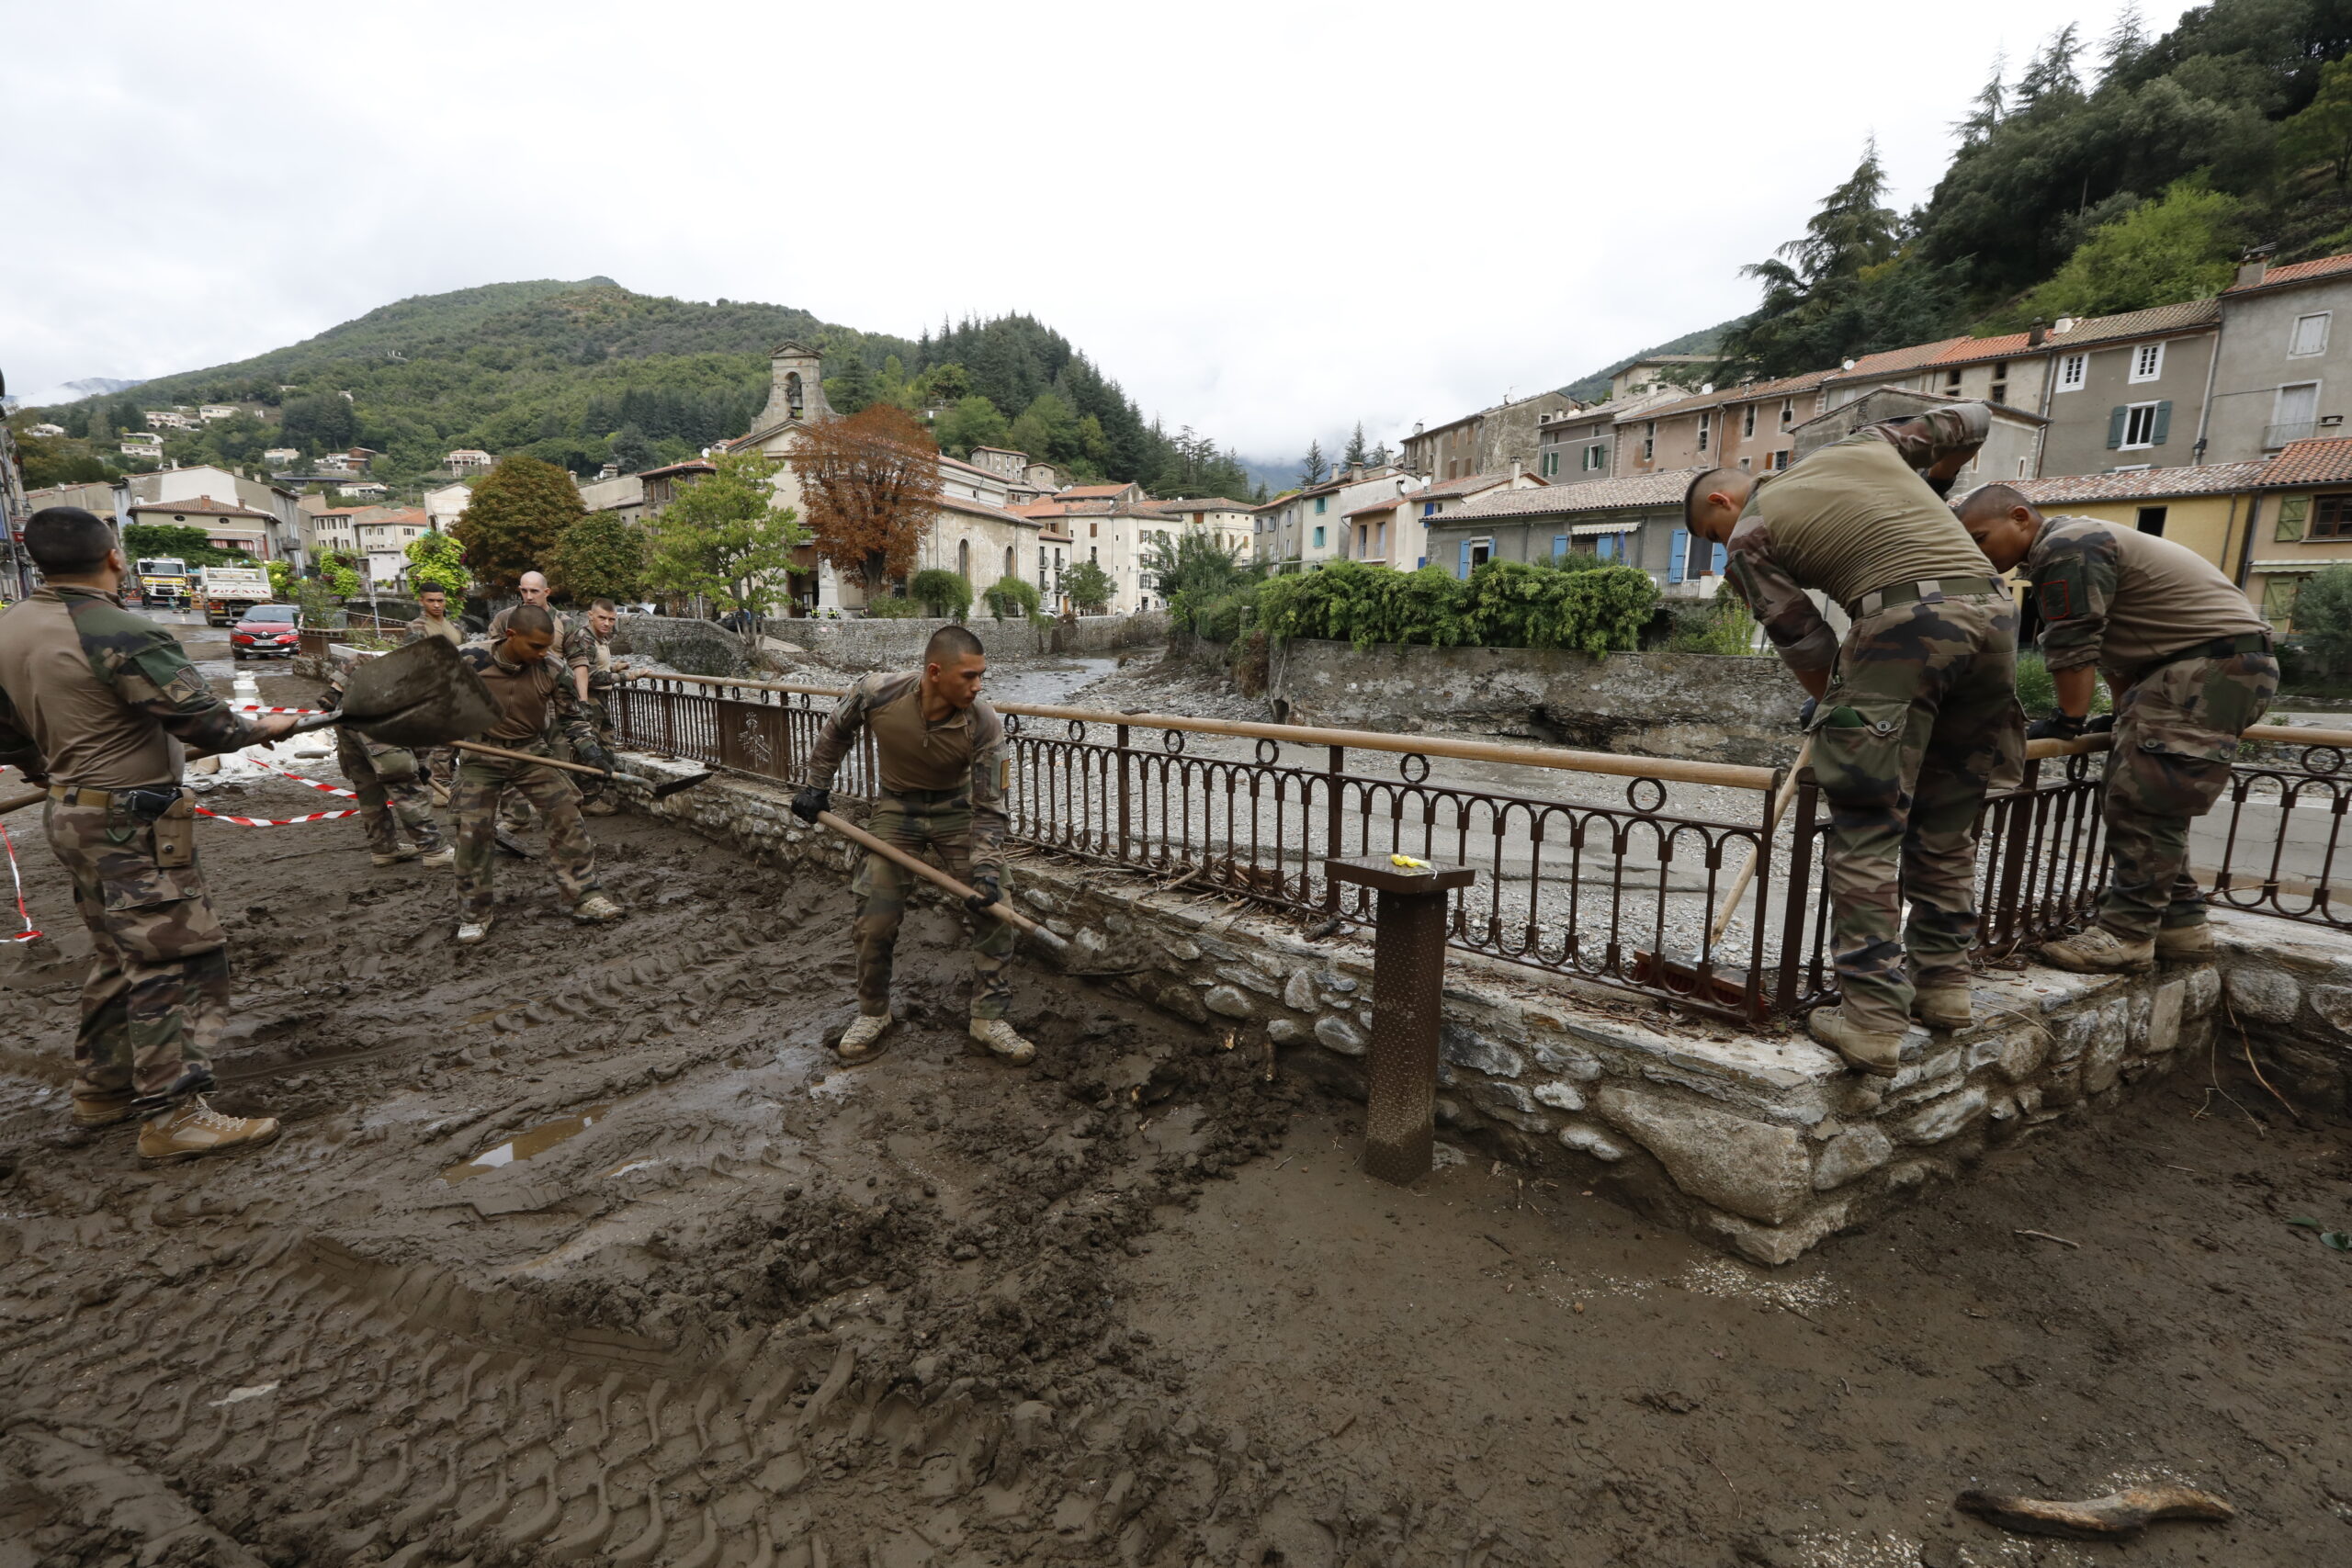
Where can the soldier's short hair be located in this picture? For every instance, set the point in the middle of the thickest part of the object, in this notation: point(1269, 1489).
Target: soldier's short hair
point(950, 644)
point(1701, 483)
point(604, 604)
point(1990, 501)
point(530, 618)
point(432, 588)
point(68, 541)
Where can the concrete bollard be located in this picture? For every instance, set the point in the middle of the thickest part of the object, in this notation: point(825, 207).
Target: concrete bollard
point(1407, 983)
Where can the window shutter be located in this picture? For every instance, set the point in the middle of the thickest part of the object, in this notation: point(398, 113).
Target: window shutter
point(2289, 526)
point(1464, 573)
point(2164, 423)
point(1716, 566)
point(2115, 418)
point(1559, 545)
point(1681, 555)
point(2278, 597)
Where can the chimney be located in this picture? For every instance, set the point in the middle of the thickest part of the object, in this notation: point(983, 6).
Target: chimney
point(2035, 334)
point(2253, 266)
point(1514, 473)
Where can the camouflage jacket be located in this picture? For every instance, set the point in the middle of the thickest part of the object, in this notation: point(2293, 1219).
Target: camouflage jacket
point(584, 650)
point(1774, 593)
point(967, 749)
point(530, 698)
point(2113, 597)
point(89, 693)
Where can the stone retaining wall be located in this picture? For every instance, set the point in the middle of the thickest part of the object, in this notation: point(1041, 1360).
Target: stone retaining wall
point(2290, 994)
point(1762, 1143)
point(1659, 705)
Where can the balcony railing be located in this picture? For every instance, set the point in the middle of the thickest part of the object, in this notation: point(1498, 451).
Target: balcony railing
point(1595, 865)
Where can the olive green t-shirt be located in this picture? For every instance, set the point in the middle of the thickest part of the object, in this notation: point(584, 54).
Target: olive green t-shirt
point(1855, 516)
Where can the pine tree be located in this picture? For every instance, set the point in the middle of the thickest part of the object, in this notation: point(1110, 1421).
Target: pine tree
point(2051, 72)
point(1986, 107)
point(2125, 42)
point(1356, 456)
point(1312, 466)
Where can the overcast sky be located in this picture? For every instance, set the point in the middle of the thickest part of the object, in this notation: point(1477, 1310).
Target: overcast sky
point(1267, 220)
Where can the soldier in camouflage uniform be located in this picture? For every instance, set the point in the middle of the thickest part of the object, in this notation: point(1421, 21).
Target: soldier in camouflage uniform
point(391, 786)
point(941, 752)
point(2188, 660)
point(529, 685)
point(588, 649)
point(438, 762)
point(1912, 721)
point(102, 705)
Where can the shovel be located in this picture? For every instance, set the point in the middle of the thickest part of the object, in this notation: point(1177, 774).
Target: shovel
point(931, 873)
point(1726, 987)
point(420, 693)
point(661, 788)
point(14, 802)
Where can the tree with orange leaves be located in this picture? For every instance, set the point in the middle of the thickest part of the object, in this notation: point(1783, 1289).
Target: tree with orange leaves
point(871, 485)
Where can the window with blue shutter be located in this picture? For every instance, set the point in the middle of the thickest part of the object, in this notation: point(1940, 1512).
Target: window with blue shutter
point(1681, 556)
point(1559, 545)
point(1464, 573)
point(1716, 565)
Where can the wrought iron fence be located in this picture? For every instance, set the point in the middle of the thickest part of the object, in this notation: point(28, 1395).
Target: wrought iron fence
point(1581, 881)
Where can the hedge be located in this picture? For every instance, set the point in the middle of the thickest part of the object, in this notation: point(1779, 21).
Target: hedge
point(1592, 610)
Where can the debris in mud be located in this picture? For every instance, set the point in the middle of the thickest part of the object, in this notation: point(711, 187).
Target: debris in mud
point(2116, 1517)
point(529, 1144)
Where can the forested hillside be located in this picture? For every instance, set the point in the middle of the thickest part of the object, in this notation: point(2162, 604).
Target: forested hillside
point(582, 373)
point(2099, 176)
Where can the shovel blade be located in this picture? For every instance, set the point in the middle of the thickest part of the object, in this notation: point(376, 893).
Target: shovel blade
point(666, 788)
point(419, 694)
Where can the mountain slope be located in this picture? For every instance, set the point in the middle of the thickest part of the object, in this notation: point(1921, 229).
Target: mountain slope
point(1704, 341)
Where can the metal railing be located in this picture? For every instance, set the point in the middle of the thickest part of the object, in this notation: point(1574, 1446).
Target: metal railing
point(1596, 868)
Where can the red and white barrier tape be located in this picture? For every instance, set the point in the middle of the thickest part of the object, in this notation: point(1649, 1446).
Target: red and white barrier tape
point(28, 933)
point(328, 788)
point(257, 707)
point(277, 821)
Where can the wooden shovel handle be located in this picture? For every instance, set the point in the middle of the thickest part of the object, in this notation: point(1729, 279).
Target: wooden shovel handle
point(1756, 852)
point(931, 873)
point(527, 757)
point(17, 802)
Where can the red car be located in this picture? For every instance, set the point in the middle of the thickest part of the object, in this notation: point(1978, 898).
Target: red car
point(267, 630)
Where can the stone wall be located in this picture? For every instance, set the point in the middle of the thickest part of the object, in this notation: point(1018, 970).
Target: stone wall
point(698, 648)
point(1663, 704)
point(1759, 1143)
point(2290, 994)
point(862, 645)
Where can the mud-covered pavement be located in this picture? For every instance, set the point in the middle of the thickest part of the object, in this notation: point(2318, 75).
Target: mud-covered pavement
point(578, 1247)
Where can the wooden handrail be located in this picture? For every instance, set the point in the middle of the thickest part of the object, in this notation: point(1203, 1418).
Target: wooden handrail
point(1727, 774)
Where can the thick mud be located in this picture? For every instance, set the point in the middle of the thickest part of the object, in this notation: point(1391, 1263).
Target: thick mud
point(579, 1247)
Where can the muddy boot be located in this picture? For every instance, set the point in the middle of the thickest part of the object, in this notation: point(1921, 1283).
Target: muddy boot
point(1864, 1050)
point(1941, 1007)
point(406, 852)
point(999, 1039)
point(2184, 944)
point(862, 1038)
point(600, 807)
point(2098, 952)
point(194, 1129)
point(102, 1109)
point(595, 910)
point(472, 931)
point(443, 856)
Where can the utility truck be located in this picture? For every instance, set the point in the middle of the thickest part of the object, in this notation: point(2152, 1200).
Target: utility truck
point(224, 592)
point(163, 580)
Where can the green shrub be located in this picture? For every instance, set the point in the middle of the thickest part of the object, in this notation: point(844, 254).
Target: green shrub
point(1723, 627)
point(941, 593)
point(2323, 619)
point(2037, 693)
point(895, 607)
point(1220, 619)
point(1590, 608)
point(1010, 599)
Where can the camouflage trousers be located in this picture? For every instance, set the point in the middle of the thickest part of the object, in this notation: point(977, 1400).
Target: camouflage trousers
point(157, 994)
point(1920, 721)
point(942, 822)
point(392, 792)
point(482, 782)
point(600, 715)
point(2176, 730)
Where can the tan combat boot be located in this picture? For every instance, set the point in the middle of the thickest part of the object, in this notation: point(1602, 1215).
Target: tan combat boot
point(1000, 1039)
point(2184, 944)
point(443, 856)
point(1865, 1052)
point(194, 1129)
point(600, 807)
point(863, 1039)
point(595, 910)
point(472, 931)
point(102, 1109)
point(405, 852)
point(2098, 952)
point(1941, 1007)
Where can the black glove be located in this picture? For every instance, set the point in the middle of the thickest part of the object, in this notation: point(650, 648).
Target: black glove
point(2104, 724)
point(593, 754)
point(987, 888)
point(809, 802)
point(2057, 726)
point(1804, 714)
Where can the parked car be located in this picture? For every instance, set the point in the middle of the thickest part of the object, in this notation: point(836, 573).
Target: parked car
point(266, 631)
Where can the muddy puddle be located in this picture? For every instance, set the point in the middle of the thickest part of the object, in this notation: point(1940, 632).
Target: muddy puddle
point(530, 1144)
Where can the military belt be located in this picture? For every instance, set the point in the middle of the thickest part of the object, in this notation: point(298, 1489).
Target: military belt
point(2220, 648)
point(1930, 589)
point(151, 802)
point(925, 796)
